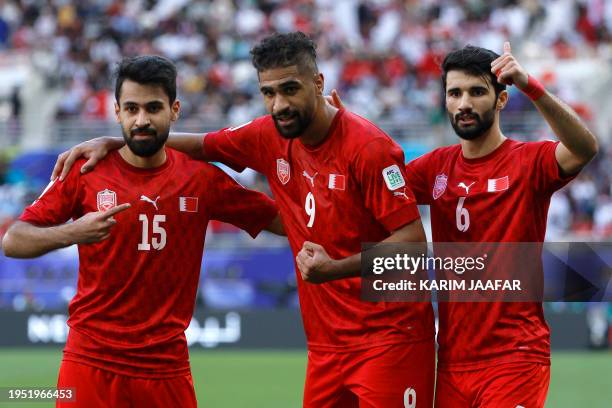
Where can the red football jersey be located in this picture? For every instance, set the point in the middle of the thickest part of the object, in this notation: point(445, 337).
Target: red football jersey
point(502, 197)
point(136, 290)
point(348, 190)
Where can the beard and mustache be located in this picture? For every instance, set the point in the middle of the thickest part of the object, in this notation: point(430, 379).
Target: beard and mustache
point(301, 121)
point(481, 124)
point(148, 146)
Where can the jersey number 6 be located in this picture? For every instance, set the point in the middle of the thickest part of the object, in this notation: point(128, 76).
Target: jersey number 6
point(462, 216)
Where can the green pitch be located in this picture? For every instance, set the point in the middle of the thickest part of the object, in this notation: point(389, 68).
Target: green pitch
point(274, 379)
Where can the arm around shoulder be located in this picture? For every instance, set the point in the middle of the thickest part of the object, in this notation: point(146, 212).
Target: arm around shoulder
point(192, 144)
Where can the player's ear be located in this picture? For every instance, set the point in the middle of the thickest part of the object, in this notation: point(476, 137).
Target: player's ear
point(319, 83)
point(175, 109)
point(502, 100)
point(117, 113)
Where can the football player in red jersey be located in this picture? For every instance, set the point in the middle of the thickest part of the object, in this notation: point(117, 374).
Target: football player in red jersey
point(139, 261)
point(339, 181)
point(489, 188)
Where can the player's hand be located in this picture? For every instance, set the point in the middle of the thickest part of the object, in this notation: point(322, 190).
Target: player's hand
point(94, 226)
point(508, 70)
point(314, 263)
point(94, 150)
point(334, 99)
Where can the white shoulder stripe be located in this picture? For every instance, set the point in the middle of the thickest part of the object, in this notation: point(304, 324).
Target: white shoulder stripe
point(46, 188)
point(240, 126)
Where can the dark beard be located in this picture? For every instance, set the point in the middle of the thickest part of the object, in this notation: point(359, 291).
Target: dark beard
point(147, 147)
point(297, 129)
point(481, 126)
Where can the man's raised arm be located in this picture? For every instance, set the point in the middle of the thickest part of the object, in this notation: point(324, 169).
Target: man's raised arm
point(578, 145)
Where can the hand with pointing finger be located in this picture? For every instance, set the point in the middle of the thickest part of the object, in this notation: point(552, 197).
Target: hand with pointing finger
point(94, 226)
point(508, 70)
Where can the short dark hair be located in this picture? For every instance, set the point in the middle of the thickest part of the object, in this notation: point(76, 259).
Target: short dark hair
point(147, 70)
point(284, 50)
point(475, 61)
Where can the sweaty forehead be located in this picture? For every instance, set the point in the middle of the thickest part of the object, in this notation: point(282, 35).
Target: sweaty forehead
point(463, 80)
point(134, 92)
point(277, 76)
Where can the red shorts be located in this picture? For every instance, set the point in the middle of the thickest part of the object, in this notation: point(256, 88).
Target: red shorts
point(392, 376)
point(94, 387)
point(508, 385)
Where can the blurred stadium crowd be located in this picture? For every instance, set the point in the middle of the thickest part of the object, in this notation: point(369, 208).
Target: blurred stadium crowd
point(382, 55)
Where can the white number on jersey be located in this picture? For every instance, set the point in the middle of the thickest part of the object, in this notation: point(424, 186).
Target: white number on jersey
point(409, 398)
point(158, 242)
point(310, 208)
point(462, 216)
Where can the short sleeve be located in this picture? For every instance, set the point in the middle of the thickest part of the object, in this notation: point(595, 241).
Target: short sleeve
point(417, 179)
point(380, 172)
point(244, 208)
point(57, 203)
point(545, 170)
point(238, 147)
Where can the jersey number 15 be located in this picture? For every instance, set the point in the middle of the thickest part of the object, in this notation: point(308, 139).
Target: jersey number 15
point(158, 235)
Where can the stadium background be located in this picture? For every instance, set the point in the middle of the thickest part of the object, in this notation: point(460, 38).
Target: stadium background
point(56, 60)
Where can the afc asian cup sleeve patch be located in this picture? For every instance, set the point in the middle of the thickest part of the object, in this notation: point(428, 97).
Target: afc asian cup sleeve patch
point(393, 177)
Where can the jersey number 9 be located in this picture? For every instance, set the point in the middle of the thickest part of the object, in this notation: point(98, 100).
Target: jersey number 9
point(310, 208)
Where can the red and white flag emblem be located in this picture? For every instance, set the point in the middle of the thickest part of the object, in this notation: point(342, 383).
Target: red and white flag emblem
point(336, 182)
point(107, 199)
point(283, 170)
point(439, 185)
point(188, 204)
point(498, 184)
